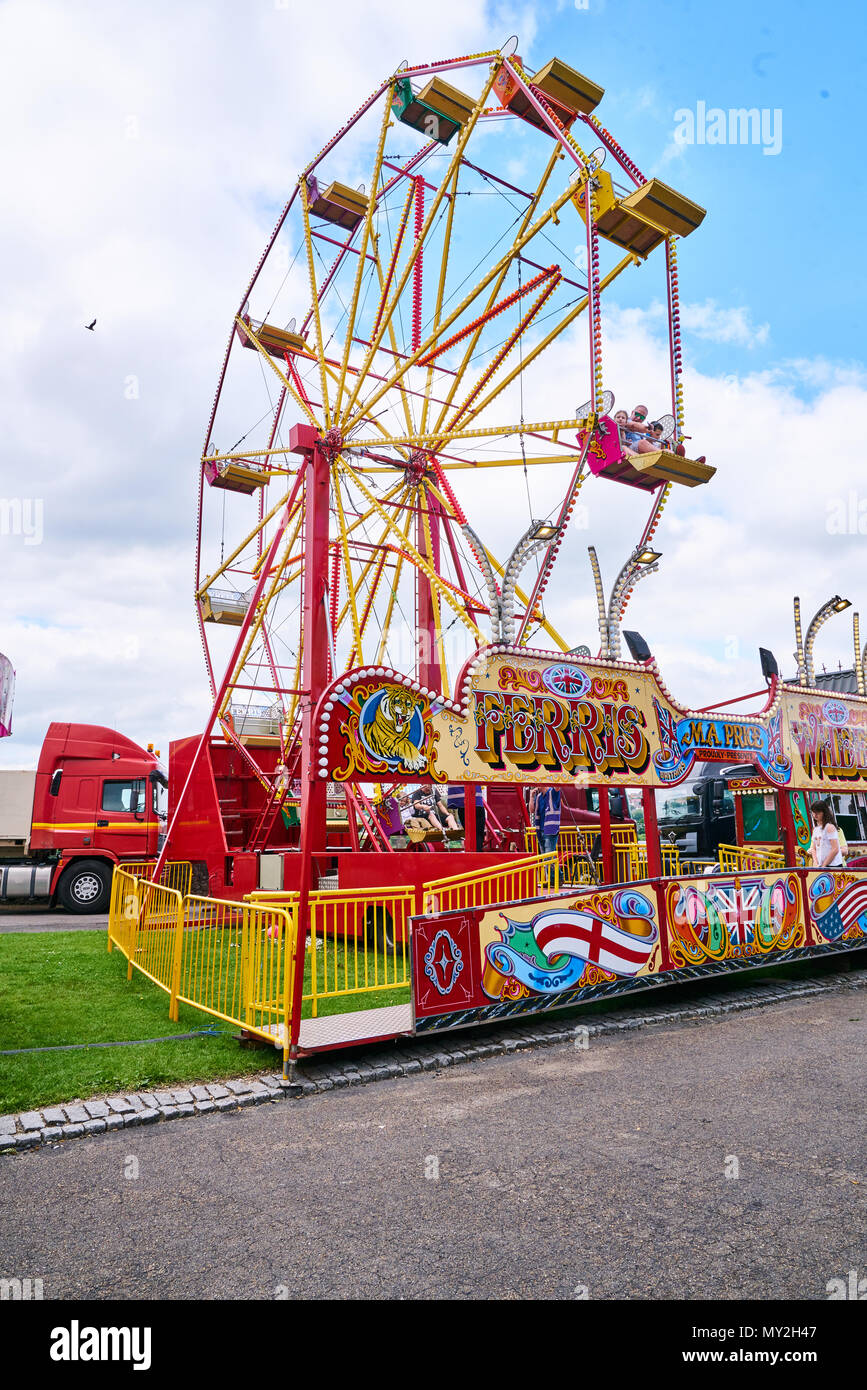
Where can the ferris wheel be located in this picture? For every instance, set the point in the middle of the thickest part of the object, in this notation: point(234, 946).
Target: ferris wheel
point(430, 262)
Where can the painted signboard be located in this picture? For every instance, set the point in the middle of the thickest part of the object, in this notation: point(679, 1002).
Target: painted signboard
point(525, 716)
point(475, 965)
point(827, 739)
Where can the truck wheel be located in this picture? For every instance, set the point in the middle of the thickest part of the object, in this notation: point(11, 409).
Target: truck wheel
point(379, 930)
point(86, 887)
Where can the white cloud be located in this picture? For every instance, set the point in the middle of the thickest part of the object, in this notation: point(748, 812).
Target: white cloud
point(153, 224)
point(720, 325)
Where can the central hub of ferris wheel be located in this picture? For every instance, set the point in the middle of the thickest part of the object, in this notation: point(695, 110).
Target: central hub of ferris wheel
point(418, 466)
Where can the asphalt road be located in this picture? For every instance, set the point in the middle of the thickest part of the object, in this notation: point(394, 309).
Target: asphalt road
point(526, 1176)
point(36, 917)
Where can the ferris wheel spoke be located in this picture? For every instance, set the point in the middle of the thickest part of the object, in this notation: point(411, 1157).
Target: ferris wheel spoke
point(387, 313)
point(286, 383)
point(499, 281)
point(362, 249)
point(542, 346)
point(417, 559)
point(344, 542)
point(434, 592)
point(385, 283)
point(393, 340)
point(432, 340)
point(447, 242)
point(314, 299)
point(256, 532)
point(500, 357)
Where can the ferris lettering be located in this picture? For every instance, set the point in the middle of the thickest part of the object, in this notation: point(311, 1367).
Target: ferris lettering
point(534, 732)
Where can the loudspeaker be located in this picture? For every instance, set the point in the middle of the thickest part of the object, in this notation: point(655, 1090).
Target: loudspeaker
point(769, 664)
point(638, 648)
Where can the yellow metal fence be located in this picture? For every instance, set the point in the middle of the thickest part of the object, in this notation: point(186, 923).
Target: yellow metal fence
point(523, 878)
point(740, 858)
point(176, 873)
point(231, 960)
point(357, 942)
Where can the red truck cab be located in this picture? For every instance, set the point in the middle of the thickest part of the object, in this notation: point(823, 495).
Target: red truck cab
point(98, 799)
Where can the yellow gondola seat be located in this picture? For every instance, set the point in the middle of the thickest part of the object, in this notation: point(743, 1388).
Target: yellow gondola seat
point(437, 111)
point(276, 341)
point(564, 90)
point(643, 219)
point(339, 204)
point(671, 468)
point(235, 475)
point(225, 606)
point(668, 209)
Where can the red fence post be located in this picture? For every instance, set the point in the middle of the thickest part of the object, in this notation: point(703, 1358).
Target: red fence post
point(651, 833)
point(605, 827)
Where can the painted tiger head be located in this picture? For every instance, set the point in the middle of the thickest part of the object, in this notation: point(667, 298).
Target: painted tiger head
point(397, 708)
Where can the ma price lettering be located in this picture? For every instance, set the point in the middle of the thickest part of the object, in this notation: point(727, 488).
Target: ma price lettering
point(717, 735)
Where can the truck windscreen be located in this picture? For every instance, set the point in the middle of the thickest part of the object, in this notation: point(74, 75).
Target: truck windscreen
point(677, 805)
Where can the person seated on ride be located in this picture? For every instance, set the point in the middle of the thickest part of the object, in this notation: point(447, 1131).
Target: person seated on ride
point(429, 805)
point(635, 427)
point(653, 440)
point(621, 419)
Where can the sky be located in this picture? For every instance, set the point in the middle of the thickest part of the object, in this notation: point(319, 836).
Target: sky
point(148, 149)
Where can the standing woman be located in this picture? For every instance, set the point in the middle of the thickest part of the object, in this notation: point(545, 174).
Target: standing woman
point(825, 845)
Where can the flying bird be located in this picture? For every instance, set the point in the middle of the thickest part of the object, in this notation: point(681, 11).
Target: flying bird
point(91, 326)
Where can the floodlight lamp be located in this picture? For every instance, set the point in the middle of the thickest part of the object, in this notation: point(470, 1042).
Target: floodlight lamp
point(543, 531)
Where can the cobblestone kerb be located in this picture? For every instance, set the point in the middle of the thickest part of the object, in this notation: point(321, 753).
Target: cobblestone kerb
point(77, 1119)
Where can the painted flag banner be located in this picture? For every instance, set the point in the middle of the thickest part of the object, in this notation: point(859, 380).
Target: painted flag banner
point(577, 939)
point(848, 910)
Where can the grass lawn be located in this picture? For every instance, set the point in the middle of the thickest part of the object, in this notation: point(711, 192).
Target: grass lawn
point(64, 987)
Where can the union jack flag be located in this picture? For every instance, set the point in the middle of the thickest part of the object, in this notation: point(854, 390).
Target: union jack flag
point(667, 732)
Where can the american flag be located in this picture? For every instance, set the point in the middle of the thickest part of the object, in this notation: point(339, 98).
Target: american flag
point(846, 912)
point(591, 938)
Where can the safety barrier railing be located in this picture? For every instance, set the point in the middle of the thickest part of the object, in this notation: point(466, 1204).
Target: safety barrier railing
point(623, 841)
point(232, 960)
point(669, 856)
point(575, 863)
point(568, 841)
point(236, 962)
point(358, 943)
point(741, 858)
point(176, 873)
point(522, 878)
point(123, 911)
